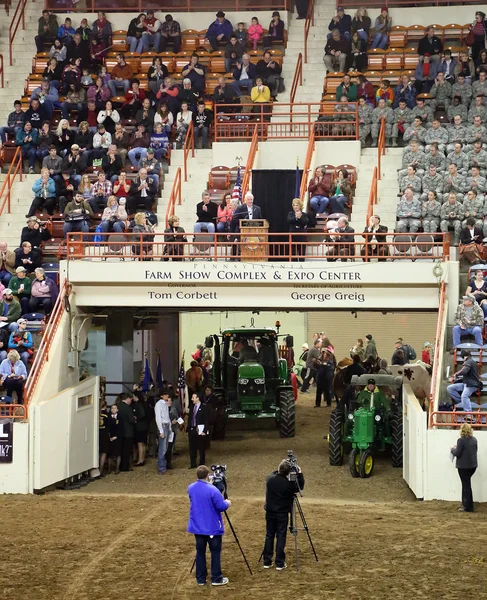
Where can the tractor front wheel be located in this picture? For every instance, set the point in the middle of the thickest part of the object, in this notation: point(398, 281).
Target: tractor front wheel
point(353, 462)
point(396, 434)
point(366, 465)
point(335, 449)
point(288, 414)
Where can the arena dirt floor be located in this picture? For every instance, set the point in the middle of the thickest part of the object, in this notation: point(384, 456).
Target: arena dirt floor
point(124, 537)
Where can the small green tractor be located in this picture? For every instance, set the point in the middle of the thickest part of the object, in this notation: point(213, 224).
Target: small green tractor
point(250, 379)
point(373, 423)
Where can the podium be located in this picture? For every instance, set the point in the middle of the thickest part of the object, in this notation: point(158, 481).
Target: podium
point(254, 246)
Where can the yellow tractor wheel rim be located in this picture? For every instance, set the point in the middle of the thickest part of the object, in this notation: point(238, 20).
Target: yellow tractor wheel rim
point(357, 461)
point(369, 463)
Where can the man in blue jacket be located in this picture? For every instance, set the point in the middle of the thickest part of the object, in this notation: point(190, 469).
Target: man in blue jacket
point(206, 523)
point(219, 31)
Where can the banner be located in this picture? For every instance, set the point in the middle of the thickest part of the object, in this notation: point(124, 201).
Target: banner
point(6, 442)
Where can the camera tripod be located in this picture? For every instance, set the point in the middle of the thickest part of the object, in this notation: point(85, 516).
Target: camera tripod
point(238, 544)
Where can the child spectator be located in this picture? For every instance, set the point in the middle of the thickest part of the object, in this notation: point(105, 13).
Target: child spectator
point(115, 430)
point(86, 78)
point(359, 52)
point(159, 141)
point(385, 91)
point(241, 34)
point(255, 32)
point(426, 353)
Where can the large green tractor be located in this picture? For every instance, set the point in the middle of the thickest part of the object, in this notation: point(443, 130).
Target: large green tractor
point(372, 424)
point(251, 380)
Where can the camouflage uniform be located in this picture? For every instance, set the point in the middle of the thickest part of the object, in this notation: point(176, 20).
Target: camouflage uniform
point(473, 134)
point(478, 159)
point(479, 87)
point(425, 113)
point(484, 214)
point(473, 208)
point(451, 216)
point(438, 160)
point(432, 184)
point(465, 91)
point(431, 216)
point(453, 111)
point(455, 134)
point(415, 133)
point(460, 160)
point(441, 95)
point(405, 116)
point(477, 111)
point(377, 115)
point(412, 158)
point(408, 214)
point(454, 183)
point(413, 182)
point(479, 184)
point(365, 120)
point(440, 136)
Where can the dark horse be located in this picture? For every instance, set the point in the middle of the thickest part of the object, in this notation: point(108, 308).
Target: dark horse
point(370, 365)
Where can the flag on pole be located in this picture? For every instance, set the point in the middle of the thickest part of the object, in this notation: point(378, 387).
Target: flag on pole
point(237, 188)
point(147, 376)
point(297, 191)
point(182, 385)
point(159, 377)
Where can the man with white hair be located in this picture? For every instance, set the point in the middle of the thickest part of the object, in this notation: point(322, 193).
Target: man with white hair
point(343, 236)
point(247, 210)
point(244, 74)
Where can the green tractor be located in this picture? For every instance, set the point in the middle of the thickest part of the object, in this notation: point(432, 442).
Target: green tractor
point(372, 424)
point(250, 379)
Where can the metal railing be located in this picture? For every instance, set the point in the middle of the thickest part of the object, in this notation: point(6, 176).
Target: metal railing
point(381, 146)
point(297, 79)
point(310, 20)
point(188, 146)
point(403, 3)
point(307, 167)
point(42, 354)
point(372, 196)
point(18, 412)
point(17, 19)
point(171, 5)
point(2, 76)
point(296, 121)
point(254, 144)
point(274, 246)
point(14, 170)
point(175, 196)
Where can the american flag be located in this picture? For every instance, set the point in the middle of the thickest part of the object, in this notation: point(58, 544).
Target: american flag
point(182, 385)
point(237, 188)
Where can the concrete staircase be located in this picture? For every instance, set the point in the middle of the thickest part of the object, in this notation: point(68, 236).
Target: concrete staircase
point(21, 198)
point(387, 189)
point(191, 190)
point(24, 51)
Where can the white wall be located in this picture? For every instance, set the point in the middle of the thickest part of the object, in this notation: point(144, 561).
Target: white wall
point(226, 153)
point(425, 15)
point(337, 153)
point(415, 423)
point(195, 326)
point(14, 476)
point(281, 154)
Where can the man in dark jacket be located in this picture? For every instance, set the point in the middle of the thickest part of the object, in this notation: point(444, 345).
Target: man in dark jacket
point(279, 499)
point(337, 50)
point(430, 44)
point(247, 210)
point(375, 239)
point(343, 237)
point(244, 74)
point(46, 30)
point(76, 163)
point(126, 414)
point(354, 369)
point(198, 430)
point(142, 192)
point(78, 49)
point(206, 212)
point(342, 22)
point(202, 119)
point(270, 72)
point(233, 53)
point(36, 114)
point(15, 121)
point(219, 31)
point(460, 392)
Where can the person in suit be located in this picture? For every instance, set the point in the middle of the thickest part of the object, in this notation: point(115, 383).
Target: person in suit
point(126, 415)
point(343, 236)
point(198, 429)
point(298, 223)
point(470, 246)
point(466, 454)
point(174, 238)
point(247, 210)
point(374, 242)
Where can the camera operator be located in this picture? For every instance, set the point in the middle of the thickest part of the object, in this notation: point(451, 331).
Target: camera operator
point(279, 499)
point(206, 523)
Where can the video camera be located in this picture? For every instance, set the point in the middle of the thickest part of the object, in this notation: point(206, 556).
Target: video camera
point(218, 479)
point(293, 461)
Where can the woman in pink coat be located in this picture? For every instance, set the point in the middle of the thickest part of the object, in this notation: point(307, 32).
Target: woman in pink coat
point(255, 32)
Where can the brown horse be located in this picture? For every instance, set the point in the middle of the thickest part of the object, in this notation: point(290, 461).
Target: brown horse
point(371, 366)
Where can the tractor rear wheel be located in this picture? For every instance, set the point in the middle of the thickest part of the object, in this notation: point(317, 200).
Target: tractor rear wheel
point(366, 465)
point(288, 414)
point(353, 462)
point(335, 449)
point(220, 425)
point(396, 434)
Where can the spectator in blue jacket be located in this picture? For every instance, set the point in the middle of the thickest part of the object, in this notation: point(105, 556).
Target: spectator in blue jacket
point(244, 74)
point(342, 22)
point(425, 74)
point(21, 340)
point(66, 32)
point(26, 138)
point(206, 523)
point(405, 90)
point(219, 31)
point(13, 375)
point(47, 95)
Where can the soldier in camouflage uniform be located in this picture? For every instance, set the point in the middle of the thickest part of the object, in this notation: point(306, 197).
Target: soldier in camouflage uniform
point(477, 109)
point(409, 213)
point(415, 131)
point(456, 132)
point(435, 157)
point(403, 116)
point(454, 183)
point(411, 181)
point(364, 119)
point(432, 182)
point(424, 111)
point(413, 155)
point(473, 206)
point(430, 212)
point(478, 158)
point(484, 214)
point(480, 86)
point(475, 132)
point(436, 133)
point(441, 93)
point(463, 89)
point(382, 111)
point(458, 158)
point(451, 217)
point(476, 182)
point(457, 108)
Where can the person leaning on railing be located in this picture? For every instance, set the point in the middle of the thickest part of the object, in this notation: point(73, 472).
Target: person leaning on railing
point(77, 215)
point(375, 236)
point(261, 97)
point(175, 238)
point(13, 375)
point(44, 293)
point(145, 234)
